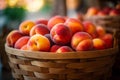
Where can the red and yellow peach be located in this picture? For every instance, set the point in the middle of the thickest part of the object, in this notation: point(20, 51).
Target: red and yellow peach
point(26, 26)
point(99, 44)
point(82, 41)
point(63, 49)
point(75, 25)
point(39, 29)
point(12, 37)
point(38, 43)
point(55, 20)
point(21, 42)
point(61, 34)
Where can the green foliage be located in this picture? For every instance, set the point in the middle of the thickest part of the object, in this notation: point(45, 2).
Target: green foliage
point(15, 13)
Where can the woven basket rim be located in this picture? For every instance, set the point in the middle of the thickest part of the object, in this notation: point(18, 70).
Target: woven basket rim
point(66, 55)
point(103, 17)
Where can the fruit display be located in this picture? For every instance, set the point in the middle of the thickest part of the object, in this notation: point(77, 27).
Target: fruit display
point(106, 11)
point(59, 34)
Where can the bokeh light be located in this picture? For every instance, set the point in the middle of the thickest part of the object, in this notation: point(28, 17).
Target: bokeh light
point(34, 5)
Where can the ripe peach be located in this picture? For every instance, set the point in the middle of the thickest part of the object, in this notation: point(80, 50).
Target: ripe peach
point(102, 13)
point(21, 42)
point(55, 20)
point(61, 34)
point(91, 12)
point(38, 43)
point(114, 12)
point(90, 28)
point(108, 39)
point(107, 10)
point(63, 49)
point(100, 31)
point(75, 25)
point(39, 29)
point(82, 41)
point(41, 21)
point(54, 48)
point(98, 44)
point(26, 26)
point(12, 37)
point(24, 47)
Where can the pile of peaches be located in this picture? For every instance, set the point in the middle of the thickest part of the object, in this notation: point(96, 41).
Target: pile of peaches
point(106, 11)
point(59, 34)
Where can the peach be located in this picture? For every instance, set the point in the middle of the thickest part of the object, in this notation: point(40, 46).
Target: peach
point(54, 48)
point(21, 42)
point(108, 39)
point(55, 20)
point(82, 41)
point(102, 13)
point(63, 49)
point(90, 28)
point(100, 31)
point(12, 37)
point(38, 43)
point(114, 12)
point(91, 12)
point(39, 29)
point(61, 34)
point(26, 26)
point(99, 44)
point(107, 10)
point(41, 21)
point(75, 25)
point(24, 47)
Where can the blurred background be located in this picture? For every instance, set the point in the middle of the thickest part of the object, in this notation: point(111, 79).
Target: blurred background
point(13, 12)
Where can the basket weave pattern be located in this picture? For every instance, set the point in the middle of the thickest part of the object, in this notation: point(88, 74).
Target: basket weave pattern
point(85, 65)
point(112, 22)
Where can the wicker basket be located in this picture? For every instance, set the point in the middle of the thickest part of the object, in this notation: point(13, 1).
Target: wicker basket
point(109, 22)
point(83, 65)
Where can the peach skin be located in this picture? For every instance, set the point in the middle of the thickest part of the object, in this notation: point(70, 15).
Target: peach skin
point(55, 20)
point(107, 10)
point(12, 37)
point(100, 31)
point(75, 25)
point(54, 48)
point(82, 41)
point(108, 39)
point(24, 47)
point(41, 21)
point(39, 29)
point(90, 28)
point(92, 11)
point(26, 26)
point(63, 49)
point(21, 42)
point(99, 44)
point(38, 42)
point(114, 12)
point(60, 34)
point(102, 13)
